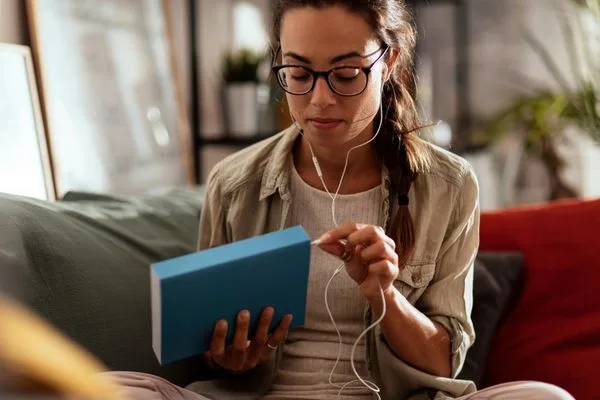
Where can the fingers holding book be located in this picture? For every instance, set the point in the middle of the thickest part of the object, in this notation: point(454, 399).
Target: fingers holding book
point(245, 353)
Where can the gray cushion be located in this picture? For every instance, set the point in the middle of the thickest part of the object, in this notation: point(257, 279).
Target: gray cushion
point(496, 287)
point(83, 264)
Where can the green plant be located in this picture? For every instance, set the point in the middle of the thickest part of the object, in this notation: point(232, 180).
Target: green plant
point(241, 66)
point(540, 118)
point(547, 112)
point(577, 103)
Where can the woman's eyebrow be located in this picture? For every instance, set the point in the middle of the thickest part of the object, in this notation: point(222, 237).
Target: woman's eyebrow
point(297, 57)
point(334, 60)
point(342, 57)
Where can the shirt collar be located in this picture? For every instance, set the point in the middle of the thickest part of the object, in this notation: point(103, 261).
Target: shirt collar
point(276, 176)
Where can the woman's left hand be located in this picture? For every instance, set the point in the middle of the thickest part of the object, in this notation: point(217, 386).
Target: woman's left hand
point(368, 253)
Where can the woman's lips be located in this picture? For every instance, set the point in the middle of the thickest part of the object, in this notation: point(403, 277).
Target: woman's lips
point(324, 123)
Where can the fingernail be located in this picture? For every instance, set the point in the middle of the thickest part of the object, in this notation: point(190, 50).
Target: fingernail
point(324, 239)
point(245, 314)
point(222, 324)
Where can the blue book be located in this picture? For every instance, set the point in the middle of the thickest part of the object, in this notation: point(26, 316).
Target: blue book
point(190, 293)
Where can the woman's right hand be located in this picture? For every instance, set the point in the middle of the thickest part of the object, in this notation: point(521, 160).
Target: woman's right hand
point(245, 354)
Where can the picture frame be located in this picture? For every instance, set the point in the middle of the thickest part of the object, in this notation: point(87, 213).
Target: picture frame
point(115, 115)
point(25, 167)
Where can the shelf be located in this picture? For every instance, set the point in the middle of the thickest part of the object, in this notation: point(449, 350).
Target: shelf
point(231, 140)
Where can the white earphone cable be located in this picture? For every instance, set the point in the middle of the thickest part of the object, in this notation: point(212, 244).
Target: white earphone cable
point(365, 383)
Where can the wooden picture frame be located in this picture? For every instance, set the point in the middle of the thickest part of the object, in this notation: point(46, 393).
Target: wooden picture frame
point(114, 111)
point(25, 167)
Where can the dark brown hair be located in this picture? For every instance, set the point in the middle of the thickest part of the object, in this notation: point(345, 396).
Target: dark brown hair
point(398, 146)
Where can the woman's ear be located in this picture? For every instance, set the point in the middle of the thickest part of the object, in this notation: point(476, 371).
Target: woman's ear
point(390, 63)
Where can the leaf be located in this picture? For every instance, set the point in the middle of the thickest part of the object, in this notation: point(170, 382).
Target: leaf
point(545, 112)
point(523, 81)
point(571, 42)
point(546, 58)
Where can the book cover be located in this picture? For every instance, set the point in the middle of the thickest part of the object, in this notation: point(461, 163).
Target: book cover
point(190, 293)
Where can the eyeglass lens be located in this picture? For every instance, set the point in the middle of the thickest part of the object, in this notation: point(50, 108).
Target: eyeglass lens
point(344, 80)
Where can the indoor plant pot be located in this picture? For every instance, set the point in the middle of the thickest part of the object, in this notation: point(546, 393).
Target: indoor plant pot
point(243, 93)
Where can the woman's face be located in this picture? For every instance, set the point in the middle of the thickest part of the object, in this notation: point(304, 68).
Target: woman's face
point(321, 39)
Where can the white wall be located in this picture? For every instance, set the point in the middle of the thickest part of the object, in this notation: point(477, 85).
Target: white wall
point(497, 56)
point(214, 20)
point(14, 29)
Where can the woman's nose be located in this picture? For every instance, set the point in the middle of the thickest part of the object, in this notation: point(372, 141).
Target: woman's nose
point(322, 95)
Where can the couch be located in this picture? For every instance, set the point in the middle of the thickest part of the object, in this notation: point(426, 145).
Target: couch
point(82, 264)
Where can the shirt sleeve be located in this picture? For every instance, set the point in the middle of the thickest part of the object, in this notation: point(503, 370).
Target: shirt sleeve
point(212, 228)
point(447, 300)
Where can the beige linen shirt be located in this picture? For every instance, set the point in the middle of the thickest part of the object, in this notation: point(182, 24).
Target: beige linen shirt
point(248, 194)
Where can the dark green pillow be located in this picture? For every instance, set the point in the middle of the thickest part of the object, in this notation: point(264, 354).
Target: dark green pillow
point(83, 264)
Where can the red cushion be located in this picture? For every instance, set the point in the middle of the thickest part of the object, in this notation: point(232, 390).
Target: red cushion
point(553, 334)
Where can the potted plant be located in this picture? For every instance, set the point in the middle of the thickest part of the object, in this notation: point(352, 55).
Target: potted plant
point(549, 118)
point(245, 94)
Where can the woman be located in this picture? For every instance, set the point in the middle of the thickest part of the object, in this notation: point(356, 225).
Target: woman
point(408, 231)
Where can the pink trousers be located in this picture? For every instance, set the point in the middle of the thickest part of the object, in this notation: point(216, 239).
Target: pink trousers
point(140, 386)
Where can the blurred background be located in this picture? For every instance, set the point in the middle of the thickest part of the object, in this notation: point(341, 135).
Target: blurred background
point(163, 90)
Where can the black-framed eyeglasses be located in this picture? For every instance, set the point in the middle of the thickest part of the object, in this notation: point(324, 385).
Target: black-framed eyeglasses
point(344, 80)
